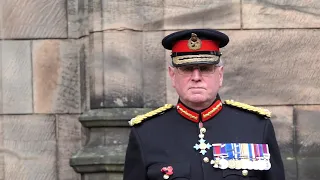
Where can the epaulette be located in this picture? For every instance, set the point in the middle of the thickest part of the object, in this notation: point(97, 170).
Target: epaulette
point(138, 119)
point(257, 110)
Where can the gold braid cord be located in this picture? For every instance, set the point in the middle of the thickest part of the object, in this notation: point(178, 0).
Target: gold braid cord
point(138, 119)
point(261, 111)
point(212, 111)
point(188, 114)
point(195, 58)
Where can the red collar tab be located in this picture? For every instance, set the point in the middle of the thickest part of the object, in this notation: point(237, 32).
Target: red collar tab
point(187, 113)
point(205, 115)
point(211, 111)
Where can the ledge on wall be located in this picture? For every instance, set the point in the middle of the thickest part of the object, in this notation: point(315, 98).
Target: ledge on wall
point(108, 131)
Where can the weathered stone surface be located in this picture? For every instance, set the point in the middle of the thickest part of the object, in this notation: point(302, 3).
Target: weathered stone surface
point(309, 168)
point(281, 14)
point(185, 14)
point(96, 137)
point(16, 77)
point(1, 24)
point(1, 81)
point(2, 165)
point(113, 117)
point(78, 24)
point(268, 67)
point(69, 141)
point(137, 15)
point(157, 14)
point(95, 15)
point(154, 70)
point(84, 136)
point(96, 70)
point(116, 139)
point(56, 76)
point(171, 95)
point(34, 19)
point(105, 151)
point(307, 130)
point(122, 52)
point(282, 120)
point(84, 73)
point(123, 69)
point(107, 176)
point(31, 147)
point(290, 167)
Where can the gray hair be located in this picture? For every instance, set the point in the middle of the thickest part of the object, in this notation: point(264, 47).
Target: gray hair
point(220, 64)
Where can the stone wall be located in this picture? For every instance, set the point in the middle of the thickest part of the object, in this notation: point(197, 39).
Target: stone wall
point(60, 58)
point(43, 88)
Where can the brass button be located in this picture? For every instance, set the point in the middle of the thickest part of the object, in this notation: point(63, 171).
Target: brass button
point(206, 159)
point(245, 172)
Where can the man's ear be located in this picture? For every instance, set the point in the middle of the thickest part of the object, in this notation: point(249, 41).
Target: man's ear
point(221, 75)
point(171, 74)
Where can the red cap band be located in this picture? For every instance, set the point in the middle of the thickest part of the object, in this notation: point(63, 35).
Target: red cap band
point(206, 45)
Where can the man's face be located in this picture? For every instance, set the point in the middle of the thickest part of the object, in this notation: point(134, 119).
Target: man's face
point(197, 84)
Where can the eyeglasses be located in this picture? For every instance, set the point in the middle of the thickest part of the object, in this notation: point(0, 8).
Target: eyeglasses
point(204, 70)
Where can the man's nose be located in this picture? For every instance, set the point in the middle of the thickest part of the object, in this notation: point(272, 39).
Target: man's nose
point(196, 74)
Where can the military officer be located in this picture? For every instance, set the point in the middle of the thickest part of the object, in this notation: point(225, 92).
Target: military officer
point(201, 137)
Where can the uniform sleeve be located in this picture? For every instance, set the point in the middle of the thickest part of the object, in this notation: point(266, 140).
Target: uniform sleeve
point(134, 167)
point(276, 171)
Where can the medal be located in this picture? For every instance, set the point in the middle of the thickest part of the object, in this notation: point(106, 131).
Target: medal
point(232, 164)
point(251, 156)
point(266, 156)
point(262, 164)
point(238, 164)
point(268, 165)
point(230, 153)
point(250, 165)
point(254, 165)
point(244, 164)
point(259, 157)
point(242, 156)
point(216, 154)
point(202, 145)
point(223, 163)
point(256, 158)
point(216, 162)
point(237, 156)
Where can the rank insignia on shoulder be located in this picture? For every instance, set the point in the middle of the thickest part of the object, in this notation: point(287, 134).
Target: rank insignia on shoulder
point(258, 110)
point(138, 119)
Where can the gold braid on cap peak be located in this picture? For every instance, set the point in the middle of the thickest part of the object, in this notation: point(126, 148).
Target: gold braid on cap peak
point(261, 111)
point(138, 119)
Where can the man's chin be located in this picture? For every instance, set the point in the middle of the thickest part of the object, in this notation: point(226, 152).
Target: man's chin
point(197, 99)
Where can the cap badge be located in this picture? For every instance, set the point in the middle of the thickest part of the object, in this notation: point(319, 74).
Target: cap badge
point(194, 42)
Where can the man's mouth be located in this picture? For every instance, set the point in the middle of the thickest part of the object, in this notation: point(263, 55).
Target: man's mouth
point(196, 88)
